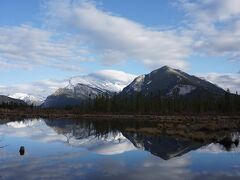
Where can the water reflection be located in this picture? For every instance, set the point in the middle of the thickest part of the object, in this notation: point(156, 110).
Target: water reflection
point(112, 137)
point(93, 149)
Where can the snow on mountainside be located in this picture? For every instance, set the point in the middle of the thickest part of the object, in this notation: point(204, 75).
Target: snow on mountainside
point(27, 98)
point(182, 89)
point(110, 80)
point(81, 88)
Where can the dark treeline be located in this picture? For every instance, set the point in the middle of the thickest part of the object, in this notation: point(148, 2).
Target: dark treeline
point(139, 104)
point(12, 105)
point(152, 104)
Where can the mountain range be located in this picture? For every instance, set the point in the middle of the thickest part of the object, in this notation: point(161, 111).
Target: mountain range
point(165, 81)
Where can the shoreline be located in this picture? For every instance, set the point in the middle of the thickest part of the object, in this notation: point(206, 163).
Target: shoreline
point(61, 114)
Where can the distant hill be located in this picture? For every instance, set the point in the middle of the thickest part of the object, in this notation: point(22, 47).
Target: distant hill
point(8, 100)
point(29, 99)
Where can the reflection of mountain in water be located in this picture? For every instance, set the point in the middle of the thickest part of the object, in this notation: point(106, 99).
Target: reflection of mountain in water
point(83, 134)
point(103, 134)
point(112, 137)
point(163, 146)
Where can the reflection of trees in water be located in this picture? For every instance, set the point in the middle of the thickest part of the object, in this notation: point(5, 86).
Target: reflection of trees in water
point(230, 141)
point(101, 128)
point(78, 130)
point(196, 133)
point(165, 140)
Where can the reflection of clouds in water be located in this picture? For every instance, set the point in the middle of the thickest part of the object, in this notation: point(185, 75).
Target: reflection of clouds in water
point(49, 167)
point(217, 148)
point(150, 168)
point(155, 168)
point(37, 129)
point(76, 163)
point(73, 165)
point(219, 175)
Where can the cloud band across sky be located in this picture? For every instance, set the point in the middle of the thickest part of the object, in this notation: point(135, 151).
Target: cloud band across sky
point(78, 31)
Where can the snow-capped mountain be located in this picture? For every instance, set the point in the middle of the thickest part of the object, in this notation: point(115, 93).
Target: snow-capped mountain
point(81, 88)
point(8, 100)
point(168, 81)
point(30, 100)
point(72, 95)
point(110, 80)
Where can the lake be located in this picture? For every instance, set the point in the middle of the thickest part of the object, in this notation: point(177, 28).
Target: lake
point(95, 149)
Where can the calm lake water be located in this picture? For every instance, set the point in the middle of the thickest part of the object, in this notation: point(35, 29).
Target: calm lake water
point(68, 149)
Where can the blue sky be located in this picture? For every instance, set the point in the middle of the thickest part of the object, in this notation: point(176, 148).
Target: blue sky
point(62, 38)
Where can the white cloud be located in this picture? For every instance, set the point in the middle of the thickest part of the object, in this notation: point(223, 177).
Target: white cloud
point(117, 39)
point(26, 46)
point(114, 75)
point(40, 89)
point(212, 10)
point(75, 29)
point(6, 65)
point(231, 81)
point(215, 26)
point(110, 80)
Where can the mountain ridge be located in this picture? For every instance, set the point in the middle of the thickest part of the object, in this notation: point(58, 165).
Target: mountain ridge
point(169, 81)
